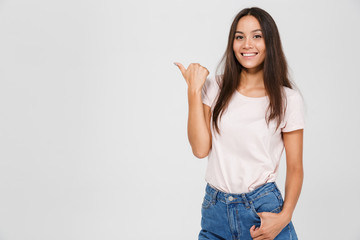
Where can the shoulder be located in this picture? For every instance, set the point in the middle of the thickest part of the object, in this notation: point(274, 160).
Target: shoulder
point(213, 80)
point(294, 98)
point(210, 90)
point(294, 110)
point(212, 83)
point(291, 93)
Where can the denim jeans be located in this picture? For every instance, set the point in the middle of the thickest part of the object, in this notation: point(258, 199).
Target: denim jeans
point(229, 216)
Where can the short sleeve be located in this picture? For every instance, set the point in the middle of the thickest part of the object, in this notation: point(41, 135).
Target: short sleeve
point(294, 118)
point(209, 91)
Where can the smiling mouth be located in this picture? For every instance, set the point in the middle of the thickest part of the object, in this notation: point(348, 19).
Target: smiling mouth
point(248, 54)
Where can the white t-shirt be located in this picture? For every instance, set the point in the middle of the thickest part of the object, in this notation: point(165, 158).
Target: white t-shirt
point(247, 153)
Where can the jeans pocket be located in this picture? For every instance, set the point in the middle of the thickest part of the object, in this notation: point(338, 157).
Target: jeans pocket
point(277, 193)
point(266, 203)
point(207, 202)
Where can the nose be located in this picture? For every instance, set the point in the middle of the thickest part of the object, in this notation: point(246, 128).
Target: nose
point(247, 43)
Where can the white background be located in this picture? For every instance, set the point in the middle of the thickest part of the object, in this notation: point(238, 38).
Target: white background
point(93, 115)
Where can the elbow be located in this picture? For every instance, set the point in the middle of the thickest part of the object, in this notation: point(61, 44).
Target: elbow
point(201, 154)
point(201, 149)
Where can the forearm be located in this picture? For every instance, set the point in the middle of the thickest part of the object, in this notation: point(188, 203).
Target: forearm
point(293, 185)
point(198, 132)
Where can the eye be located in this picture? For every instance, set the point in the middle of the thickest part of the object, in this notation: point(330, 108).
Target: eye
point(257, 36)
point(238, 37)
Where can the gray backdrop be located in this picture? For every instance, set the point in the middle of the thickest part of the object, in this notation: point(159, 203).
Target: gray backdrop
point(93, 115)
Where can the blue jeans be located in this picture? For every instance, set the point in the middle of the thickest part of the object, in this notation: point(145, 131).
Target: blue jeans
point(229, 216)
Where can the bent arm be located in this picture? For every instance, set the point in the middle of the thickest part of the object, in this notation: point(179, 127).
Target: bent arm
point(293, 142)
point(199, 133)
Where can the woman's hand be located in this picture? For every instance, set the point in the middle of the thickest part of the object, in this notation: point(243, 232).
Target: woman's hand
point(271, 225)
point(195, 75)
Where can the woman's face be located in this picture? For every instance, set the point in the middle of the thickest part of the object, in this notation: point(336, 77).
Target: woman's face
point(249, 44)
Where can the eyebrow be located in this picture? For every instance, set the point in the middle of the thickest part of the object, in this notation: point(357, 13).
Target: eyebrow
point(251, 31)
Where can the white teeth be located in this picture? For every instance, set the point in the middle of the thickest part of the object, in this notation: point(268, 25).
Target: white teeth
point(249, 54)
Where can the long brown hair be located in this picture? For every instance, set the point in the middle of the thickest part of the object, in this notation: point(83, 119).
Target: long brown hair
point(275, 69)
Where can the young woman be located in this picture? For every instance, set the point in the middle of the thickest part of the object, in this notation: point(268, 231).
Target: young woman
point(242, 120)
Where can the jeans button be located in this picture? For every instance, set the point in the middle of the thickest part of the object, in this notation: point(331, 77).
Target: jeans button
point(231, 198)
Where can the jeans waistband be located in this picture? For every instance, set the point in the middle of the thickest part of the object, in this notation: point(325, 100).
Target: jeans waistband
point(245, 198)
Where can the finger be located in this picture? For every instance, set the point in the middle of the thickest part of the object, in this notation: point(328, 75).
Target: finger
point(253, 232)
point(207, 70)
point(256, 233)
point(181, 67)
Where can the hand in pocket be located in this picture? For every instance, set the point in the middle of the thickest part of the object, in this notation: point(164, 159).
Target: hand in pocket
point(271, 225)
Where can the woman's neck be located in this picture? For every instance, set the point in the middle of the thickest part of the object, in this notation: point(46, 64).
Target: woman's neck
point(251, 79)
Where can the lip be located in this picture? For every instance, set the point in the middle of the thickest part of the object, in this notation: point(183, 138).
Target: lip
point(249, 57)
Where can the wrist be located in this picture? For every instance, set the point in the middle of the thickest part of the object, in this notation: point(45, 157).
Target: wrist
point(286, 216)
point(194, 91)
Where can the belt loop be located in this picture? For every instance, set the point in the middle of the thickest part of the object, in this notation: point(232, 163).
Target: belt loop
point(245, 200)
point(214, 196)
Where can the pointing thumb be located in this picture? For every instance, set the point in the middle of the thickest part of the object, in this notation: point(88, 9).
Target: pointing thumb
point(181, 67)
